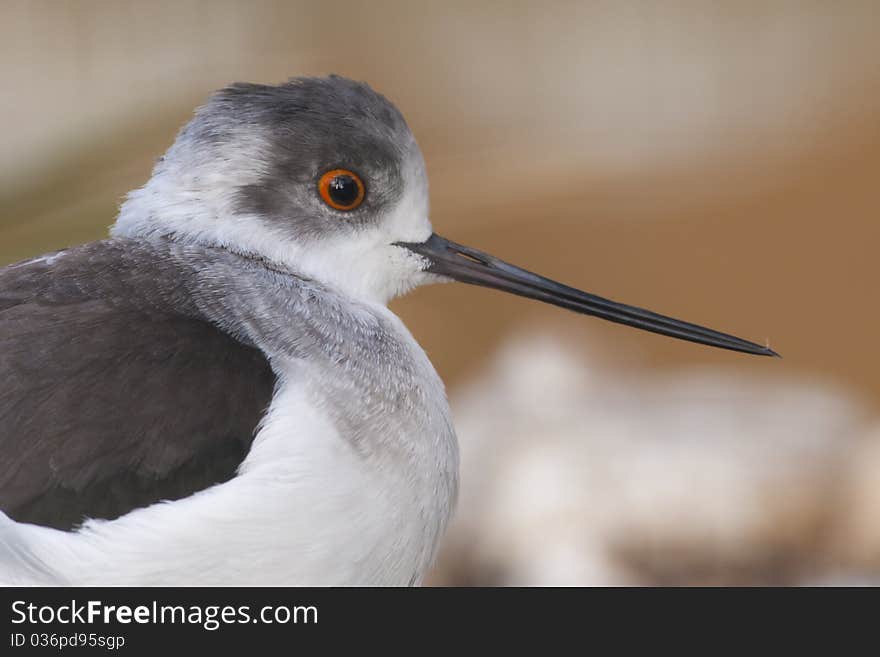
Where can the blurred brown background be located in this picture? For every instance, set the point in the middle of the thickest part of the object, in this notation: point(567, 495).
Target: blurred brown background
point(718, 162)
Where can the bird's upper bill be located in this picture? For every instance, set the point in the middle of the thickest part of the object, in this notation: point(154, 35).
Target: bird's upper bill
point(462, 263)
point(322, 177)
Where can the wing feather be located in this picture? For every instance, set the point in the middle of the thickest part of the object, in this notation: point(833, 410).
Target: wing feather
point(115, 395)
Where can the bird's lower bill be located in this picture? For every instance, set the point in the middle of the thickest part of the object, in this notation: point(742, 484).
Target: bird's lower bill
point(462, 263)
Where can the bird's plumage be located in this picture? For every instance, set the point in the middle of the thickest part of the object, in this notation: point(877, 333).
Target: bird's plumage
point(218, 393)
point(350, 479)
point(117, 390)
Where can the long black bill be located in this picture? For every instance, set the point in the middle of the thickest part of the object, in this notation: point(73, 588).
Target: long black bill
point(468, 265)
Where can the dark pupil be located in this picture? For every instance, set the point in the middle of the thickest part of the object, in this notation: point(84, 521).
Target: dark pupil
point(343, 190)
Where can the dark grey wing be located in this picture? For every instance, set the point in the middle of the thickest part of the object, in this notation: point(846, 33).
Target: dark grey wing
point(114, 395)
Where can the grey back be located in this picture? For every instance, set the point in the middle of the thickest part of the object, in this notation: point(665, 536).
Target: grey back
point(115, 390)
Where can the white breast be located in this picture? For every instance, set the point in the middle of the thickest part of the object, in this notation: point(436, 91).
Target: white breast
point(307, 508)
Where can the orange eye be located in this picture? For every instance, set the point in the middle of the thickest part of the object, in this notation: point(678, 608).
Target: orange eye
point(341, 189)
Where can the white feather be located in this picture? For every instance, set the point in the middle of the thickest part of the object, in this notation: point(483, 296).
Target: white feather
point(306, 508)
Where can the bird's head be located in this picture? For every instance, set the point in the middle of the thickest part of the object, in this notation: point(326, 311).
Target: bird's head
point(322, 177)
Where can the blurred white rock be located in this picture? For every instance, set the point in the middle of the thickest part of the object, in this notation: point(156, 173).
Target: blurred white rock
point(577, 474)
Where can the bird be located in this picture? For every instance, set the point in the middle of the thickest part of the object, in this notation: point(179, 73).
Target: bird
point(217, 393)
